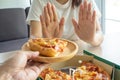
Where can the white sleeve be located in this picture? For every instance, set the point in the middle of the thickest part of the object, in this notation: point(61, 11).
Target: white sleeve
point(35, 11)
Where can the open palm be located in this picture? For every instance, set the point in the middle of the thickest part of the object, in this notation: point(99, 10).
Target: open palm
point(50, 26)
point(85, 28)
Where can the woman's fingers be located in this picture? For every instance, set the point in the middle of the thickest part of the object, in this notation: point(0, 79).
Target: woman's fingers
point(89, 13)
point(85, 9)
point(42, 19)
point(80, 12)
point(61, 24)
point(59, 29)
point(62, 21)
point(54, 13)
point(75, 25)
point(44, 28)
point(43, 23)
point(94, 17)
point(49, 6)
point(47, 17)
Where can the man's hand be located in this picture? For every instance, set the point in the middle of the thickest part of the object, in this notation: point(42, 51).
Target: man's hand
point(21, 67)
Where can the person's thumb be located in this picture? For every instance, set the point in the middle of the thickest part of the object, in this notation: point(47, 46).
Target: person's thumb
point(75, 24)
point(31, 54)
point(61, 24)
point(61, 27)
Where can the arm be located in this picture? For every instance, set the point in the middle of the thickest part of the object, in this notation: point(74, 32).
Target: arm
point(35, 29)
point(33, 18)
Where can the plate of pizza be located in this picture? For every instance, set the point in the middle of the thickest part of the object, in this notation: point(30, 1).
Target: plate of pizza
point(86, 71)
point(51, 50)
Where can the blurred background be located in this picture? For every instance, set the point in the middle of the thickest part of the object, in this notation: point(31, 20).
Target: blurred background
point(110, 10)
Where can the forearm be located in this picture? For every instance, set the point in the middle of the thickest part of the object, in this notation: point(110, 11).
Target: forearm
point(35, 29)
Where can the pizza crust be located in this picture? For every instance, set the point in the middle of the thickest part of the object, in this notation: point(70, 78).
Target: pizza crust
point(48, 51)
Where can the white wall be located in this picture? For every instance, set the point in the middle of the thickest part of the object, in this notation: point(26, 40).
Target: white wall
point(14, 3)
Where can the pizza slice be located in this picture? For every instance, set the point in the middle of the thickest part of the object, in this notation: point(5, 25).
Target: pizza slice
point(48, 47)
point(90, 71)
point(51, 74)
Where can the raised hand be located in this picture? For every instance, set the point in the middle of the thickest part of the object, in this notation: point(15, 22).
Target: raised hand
point(85, 28)
point(51, 27)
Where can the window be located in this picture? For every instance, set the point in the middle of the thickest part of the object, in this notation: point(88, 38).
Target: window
point(101, 6)
point(112, 16)
point(14, 3)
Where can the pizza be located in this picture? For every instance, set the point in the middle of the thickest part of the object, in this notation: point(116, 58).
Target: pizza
point(90, 71)
point(47, 47)
point(86, 71)
point(51, 74)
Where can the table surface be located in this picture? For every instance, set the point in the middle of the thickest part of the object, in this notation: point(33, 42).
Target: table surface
point(109, 49)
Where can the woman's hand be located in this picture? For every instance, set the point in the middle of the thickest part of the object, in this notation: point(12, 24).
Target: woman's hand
point(18, 67)
point(51, 27)
point(86, 26)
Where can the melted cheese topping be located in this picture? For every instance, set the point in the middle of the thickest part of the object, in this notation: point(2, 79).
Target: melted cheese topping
point(82, 73)
point(55, 43)
point(50, 74)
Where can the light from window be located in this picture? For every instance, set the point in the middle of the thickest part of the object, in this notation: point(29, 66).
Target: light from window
point(112, 19)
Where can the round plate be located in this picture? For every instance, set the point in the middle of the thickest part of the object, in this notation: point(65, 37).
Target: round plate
point(70, 50)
